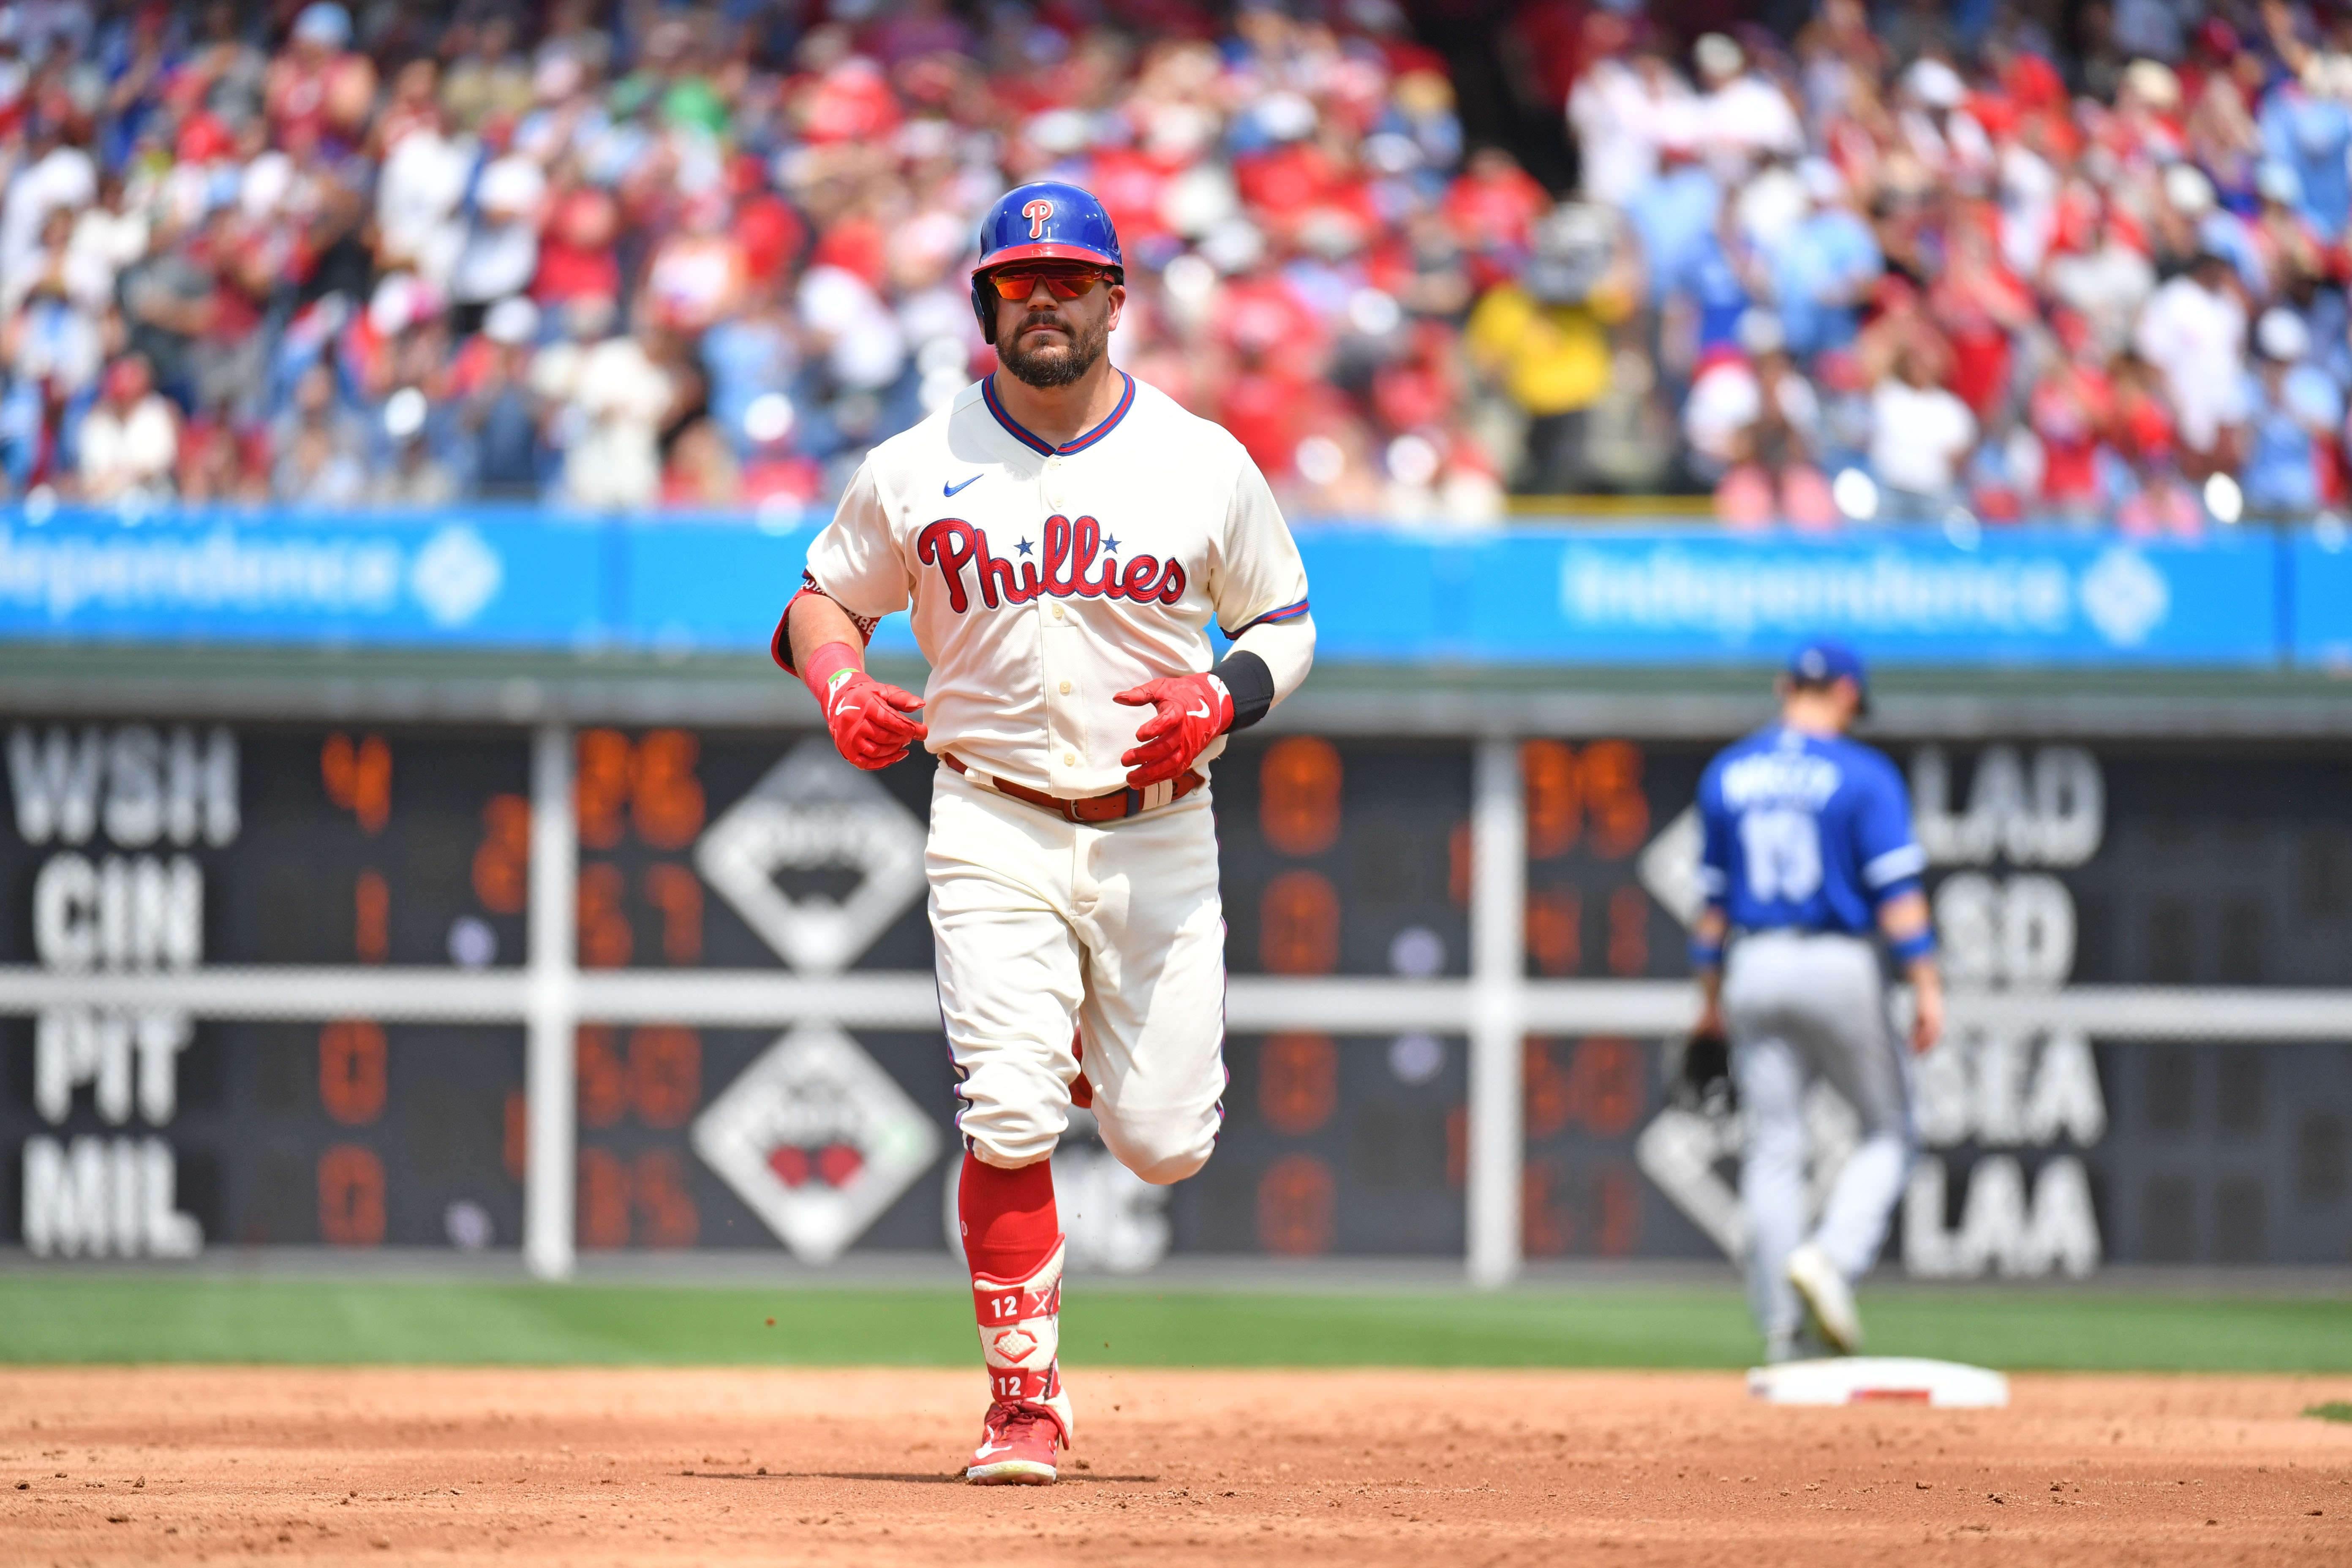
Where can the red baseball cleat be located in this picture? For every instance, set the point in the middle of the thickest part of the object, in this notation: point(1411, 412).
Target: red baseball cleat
point(1016, 1448)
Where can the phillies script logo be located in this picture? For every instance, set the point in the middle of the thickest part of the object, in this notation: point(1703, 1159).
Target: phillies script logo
point(1037, 212)
point(951, 544)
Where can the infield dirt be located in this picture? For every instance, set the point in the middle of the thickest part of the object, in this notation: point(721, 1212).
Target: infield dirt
point(529, 1466)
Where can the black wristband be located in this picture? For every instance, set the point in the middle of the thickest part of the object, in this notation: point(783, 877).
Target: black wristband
point(1252, 685)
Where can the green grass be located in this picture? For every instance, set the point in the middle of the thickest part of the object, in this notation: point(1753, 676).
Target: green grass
point(2334, 1410)
point(83, 1318)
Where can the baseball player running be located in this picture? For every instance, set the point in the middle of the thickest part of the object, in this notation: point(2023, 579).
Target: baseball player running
point(1063, 535)
point(1808, 846)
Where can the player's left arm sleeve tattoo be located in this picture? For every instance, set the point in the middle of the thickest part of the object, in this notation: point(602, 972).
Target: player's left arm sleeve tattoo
point(852, 563)
point(1260, 593)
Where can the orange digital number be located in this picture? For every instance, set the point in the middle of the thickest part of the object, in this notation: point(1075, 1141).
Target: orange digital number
point(601, 1080)
point(665, 1208)
point(1604, 1084)
point(600, 786)
point(667, 797)
point(1620, 1212)
point(517, 1149)
point(1294, 1206)
point(1555, 930)
point(359, 778)
point(1613, 802)
point(604, 1200)
point(1555, 804)
point(652, 780)
point(1567, 791)
point(1298, 1082)
point(676, 892)
point(1546, 1226)
point(654, 1189)
point(1629, 931)
point(606, 939)
point(502, 864)
point(352, 1071)
point(351, 1196)
point(1298, 925)
point(1544, 1088)
point(665, 1074)
point(371, 918)
point(1298, 795)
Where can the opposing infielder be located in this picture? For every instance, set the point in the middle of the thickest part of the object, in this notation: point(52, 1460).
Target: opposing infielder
point(1808, 848)
point(1063, 535)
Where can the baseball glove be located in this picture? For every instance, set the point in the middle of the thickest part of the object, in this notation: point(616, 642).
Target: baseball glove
point(1705, 1084)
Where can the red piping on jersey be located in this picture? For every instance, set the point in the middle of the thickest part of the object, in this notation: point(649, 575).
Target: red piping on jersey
point(1272, 617)
point(1038, 444)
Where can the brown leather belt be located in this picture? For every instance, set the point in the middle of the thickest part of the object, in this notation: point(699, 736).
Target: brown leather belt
point(1118, 805)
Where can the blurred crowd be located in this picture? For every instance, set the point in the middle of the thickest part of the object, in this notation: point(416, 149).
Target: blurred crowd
point(1901, 268)
point(1928, 263)
point(628, 255)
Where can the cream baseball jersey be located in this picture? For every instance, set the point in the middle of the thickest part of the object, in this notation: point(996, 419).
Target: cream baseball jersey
point(1041, 580)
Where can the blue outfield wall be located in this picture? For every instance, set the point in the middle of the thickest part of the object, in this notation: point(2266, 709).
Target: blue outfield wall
point(2319, 574)
point(516, 578)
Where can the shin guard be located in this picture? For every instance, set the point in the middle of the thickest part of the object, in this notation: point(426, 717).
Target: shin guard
point(1019, 1338)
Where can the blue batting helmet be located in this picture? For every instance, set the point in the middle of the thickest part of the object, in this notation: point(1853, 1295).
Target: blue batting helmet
point(1044, 220)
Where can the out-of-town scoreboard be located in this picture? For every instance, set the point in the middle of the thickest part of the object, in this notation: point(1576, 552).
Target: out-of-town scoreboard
point(2058, 1132)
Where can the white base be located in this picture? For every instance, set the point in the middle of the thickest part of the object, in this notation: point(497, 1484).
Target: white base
point(1873, 1380)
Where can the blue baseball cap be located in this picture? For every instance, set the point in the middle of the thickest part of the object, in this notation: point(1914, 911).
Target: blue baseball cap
point(1826, 659)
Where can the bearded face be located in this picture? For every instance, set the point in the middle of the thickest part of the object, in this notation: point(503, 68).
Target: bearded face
point(1051, 339)
point(1055, 347)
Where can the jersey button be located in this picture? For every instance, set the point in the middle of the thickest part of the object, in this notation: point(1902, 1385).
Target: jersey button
point(1057, 611)
point(1066, 689)
point(1069, 759)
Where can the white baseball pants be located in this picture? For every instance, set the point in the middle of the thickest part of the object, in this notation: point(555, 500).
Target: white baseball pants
point(1044, 926)
point(1800, 1006)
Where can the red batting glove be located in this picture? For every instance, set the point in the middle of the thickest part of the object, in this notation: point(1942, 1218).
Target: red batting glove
point(1193, 709)
point(869, 719)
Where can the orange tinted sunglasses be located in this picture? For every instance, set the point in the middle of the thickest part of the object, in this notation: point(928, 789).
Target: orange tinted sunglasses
point(1064, 281)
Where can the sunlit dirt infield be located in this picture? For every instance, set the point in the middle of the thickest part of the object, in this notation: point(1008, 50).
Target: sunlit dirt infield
point(377, 1466)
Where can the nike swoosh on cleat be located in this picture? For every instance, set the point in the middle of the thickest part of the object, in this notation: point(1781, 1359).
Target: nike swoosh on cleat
point(985, 1449)
point(947, 489)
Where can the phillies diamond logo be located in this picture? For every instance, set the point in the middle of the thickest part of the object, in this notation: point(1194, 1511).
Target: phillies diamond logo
point(1691, 1154)
point(817, 1140)
point(815, 814)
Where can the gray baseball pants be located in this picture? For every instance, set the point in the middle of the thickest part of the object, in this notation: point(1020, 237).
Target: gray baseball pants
point(1802, 1006)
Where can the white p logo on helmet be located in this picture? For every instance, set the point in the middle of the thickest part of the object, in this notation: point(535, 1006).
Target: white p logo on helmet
point(1037, 212)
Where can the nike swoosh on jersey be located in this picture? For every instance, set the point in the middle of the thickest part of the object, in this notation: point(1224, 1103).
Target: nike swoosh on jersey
point(948, 490)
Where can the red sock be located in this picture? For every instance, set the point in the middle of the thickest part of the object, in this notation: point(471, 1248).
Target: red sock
point(1010, 1224)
